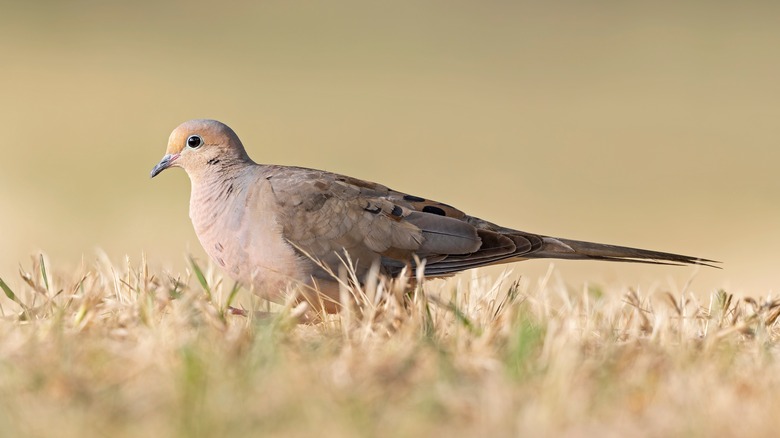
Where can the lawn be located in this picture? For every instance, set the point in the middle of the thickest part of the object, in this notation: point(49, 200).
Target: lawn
point(120, 350)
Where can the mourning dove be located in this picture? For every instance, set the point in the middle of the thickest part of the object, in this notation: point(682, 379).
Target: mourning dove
point(271, 226)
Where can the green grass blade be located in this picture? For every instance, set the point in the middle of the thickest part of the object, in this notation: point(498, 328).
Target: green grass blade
point(8, 292)
point(201, 277)
point(462, 318)
point(43, 273)
point(233, 293)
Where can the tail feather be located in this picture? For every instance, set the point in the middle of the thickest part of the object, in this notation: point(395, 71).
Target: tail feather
point(579, 250)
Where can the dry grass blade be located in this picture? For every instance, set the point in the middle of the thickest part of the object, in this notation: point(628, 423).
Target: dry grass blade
point(773, 314)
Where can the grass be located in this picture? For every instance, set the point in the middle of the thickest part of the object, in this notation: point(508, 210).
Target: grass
point(122, 351)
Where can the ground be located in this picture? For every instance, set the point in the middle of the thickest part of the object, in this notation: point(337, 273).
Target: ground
point(119, 350)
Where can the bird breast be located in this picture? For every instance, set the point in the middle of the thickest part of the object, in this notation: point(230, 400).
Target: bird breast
point(236, 224)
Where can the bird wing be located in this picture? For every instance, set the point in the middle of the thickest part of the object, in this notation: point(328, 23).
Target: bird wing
point(325, 214)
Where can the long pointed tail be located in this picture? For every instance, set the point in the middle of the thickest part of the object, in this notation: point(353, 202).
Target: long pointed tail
point(579, 250)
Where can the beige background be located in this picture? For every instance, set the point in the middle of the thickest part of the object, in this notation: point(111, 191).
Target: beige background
point(653, 125)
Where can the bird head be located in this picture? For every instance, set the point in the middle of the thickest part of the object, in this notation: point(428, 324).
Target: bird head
point(200, 145)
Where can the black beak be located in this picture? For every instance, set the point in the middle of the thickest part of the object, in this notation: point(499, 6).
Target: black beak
point(165, 163)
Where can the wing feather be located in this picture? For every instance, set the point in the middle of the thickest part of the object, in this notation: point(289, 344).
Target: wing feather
point(326, 214)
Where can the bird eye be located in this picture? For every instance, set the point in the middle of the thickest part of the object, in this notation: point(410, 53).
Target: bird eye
point(194, 141)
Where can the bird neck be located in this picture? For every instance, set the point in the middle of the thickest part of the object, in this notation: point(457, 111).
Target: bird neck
point(220, 182)
point(218, 170)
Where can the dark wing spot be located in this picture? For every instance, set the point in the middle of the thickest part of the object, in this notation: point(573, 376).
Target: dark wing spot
point(230, 189)
point(412, 198)
point(397, 211)
point(356, 182)
point(433, 210)
point(316, 201)
point(373, 209)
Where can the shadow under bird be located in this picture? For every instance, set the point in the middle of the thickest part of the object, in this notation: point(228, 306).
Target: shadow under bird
point(270, 227)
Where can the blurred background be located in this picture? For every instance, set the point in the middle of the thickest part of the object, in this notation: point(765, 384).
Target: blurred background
point(649, 124)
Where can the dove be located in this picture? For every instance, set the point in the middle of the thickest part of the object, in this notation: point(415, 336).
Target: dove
point(272, 227)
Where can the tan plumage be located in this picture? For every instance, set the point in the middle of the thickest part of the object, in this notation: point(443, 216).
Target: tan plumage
point(264, 224)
